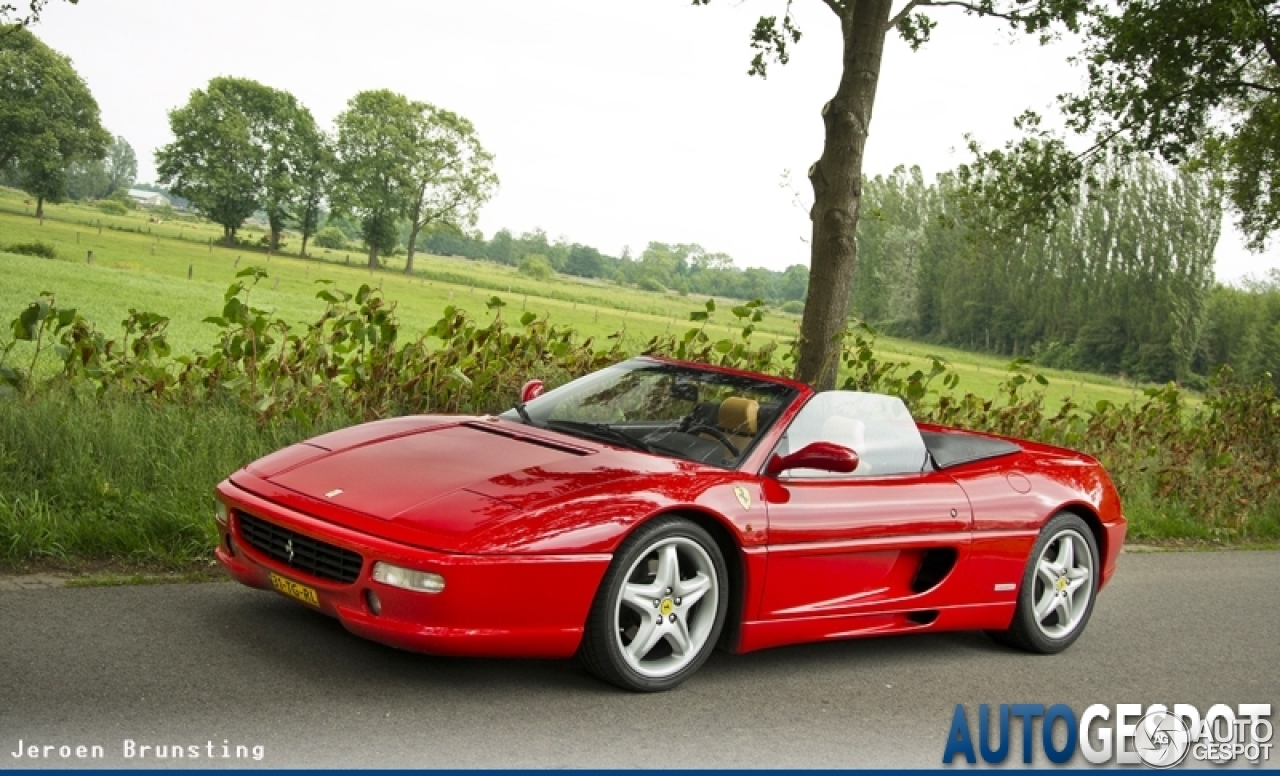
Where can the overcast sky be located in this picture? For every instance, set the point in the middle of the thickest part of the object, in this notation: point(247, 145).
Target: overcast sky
point(614, 122)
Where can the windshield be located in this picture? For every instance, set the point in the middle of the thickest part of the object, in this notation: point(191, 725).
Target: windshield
point(665, 409)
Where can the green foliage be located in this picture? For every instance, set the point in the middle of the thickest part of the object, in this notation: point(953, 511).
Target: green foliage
point(98, 178)
point(795, 307)
point(48, 118)
point(45, 107)
point(86, 476)
point(352, 357)
point(42, 249)
point(331, 237)
point(452, 173)
point(238, 146)
point(15, 15)
point(1189, 81)
point(1119, 285)
point(375, 149)
point(112, 207)
point(537, 267)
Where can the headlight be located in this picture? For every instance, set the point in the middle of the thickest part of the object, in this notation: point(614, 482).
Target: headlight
point(220, 513)
point(419, 581)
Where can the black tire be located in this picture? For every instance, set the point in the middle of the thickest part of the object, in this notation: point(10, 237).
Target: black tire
point(613, 624)
point(1061, 625)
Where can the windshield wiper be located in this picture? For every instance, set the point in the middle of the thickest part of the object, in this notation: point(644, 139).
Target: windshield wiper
point(524, 414)
point(604, 431)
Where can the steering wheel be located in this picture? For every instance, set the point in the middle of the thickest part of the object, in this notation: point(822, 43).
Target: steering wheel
point(717, 434)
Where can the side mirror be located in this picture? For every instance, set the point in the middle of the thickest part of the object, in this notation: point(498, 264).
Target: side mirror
point(824, 456)
point(531, 390)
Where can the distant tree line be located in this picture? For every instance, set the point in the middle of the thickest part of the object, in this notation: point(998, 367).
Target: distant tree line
point(1122, 283)
point(683, 268)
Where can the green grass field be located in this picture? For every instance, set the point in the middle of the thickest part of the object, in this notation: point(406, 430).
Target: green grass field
point(177, 269)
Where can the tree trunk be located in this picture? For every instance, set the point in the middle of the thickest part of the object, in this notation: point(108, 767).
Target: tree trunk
point(275, 223)
point(228, 236)
point(837, 194)
point(304, 244)
point(415, 218)
point(373, 256)
point(413, 241)
point(39, 207)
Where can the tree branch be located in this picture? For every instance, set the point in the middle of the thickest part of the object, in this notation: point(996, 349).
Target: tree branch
point(906, 10)
point(969, 7)
point(1252, 85)
point(1268, 38)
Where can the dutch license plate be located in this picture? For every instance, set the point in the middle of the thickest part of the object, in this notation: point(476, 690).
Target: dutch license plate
point(292, 589)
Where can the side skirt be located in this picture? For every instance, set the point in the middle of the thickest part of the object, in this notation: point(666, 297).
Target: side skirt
point(776, 633)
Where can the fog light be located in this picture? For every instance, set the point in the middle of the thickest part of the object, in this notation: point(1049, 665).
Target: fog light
point(419, 581)
point(220, 512)
point(375, 604)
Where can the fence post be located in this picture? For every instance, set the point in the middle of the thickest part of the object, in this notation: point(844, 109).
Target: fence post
point(89, 259)
point(191, 268)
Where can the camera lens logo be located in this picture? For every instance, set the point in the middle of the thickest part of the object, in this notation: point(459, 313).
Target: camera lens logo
point(1161, 740)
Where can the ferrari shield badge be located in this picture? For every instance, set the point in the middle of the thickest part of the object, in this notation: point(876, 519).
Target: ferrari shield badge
point(744, 497)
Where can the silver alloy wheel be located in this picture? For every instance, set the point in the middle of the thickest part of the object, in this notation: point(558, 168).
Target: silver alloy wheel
point(1063, 584)
point(666, 607)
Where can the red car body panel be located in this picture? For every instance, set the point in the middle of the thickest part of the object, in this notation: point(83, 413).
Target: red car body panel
point(506, 512)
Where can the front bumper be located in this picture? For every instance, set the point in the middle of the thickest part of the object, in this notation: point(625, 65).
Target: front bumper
point(492, 605)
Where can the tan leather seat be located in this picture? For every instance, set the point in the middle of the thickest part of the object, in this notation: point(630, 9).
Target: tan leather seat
point(738, 418)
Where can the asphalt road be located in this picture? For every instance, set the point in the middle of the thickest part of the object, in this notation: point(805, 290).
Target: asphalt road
point(203, 664)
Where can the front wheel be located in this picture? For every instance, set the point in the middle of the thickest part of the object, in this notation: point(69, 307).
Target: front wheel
point(1056, 596)
point(660, 608)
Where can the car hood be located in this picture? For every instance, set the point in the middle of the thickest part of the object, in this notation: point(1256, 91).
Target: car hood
point(388, 476)
point(458, 485)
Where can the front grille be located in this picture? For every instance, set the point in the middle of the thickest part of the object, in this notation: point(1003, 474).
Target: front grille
point(301, 552)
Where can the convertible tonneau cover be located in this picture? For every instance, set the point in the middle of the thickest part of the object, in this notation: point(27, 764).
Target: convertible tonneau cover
point(952, 448)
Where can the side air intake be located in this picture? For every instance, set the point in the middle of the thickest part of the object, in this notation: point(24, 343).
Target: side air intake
point(935, 565)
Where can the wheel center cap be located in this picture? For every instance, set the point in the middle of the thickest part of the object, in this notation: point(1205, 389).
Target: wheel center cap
point(1062, 583)
point(667, 607)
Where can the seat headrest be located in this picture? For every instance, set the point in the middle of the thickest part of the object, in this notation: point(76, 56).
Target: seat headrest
point(739, 415)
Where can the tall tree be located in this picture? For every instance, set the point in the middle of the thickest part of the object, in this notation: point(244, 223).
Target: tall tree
point(314, 177)
point(121, 165)
point(452, 173)
point(231, 152)
point(48, 118)
point(99, 178)
point(376, 148)
point(293, 175)
point(837, 176)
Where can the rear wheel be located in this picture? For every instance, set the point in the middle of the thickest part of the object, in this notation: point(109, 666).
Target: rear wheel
point(660, 608)
point(1058, 587)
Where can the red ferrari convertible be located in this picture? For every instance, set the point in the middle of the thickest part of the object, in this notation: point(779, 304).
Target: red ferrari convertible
point(644, 514)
